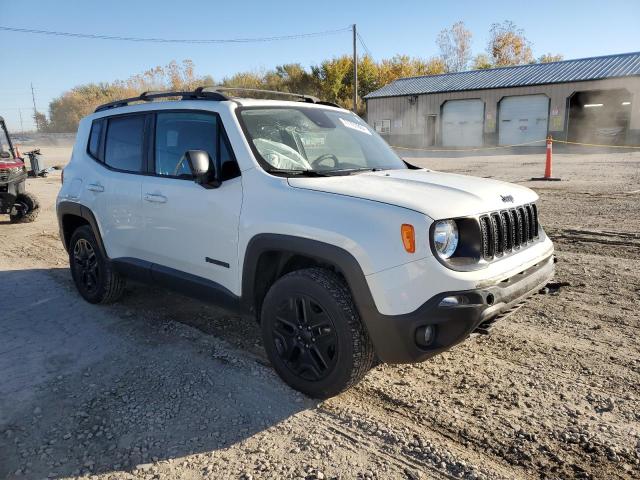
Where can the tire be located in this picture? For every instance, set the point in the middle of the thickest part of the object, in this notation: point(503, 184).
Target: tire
point(313, 334)
point(92, 273)
point(28, 209)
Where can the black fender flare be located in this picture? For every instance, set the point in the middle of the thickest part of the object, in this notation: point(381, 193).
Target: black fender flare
point(340, 259)
point(65, 208)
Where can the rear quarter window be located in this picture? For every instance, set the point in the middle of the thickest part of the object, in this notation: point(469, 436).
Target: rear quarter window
point(94, 138)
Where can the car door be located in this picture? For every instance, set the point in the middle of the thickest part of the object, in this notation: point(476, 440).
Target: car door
point(190, 228)
point(113, 185)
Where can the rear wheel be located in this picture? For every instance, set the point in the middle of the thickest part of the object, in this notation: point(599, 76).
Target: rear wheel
point(25, 208)
point(313, 334)
point(96, 281)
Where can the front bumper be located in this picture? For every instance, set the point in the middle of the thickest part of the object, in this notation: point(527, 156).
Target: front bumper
point(394, 336)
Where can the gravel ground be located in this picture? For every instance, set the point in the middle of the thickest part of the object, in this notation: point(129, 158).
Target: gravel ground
point(163, 387)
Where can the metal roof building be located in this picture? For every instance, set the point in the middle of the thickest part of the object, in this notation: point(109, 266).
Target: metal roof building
point(593, 100)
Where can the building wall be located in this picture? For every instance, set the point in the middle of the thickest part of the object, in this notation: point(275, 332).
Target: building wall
point(408, 114)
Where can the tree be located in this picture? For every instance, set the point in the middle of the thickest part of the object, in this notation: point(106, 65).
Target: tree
point(40, 120)
point(549, 57)
point(455, 47)
point(66, 110)
point(508, 45)
point(481, 62)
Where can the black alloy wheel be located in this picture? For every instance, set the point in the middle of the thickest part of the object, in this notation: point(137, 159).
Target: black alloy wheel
point(91, 270)
point(87, 267)
point(313, 334)
point(305, 337)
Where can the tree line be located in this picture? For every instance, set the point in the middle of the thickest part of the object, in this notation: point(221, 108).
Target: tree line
point(331, 80)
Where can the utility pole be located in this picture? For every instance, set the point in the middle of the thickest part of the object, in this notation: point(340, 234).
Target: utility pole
point(35, 110)
point(355, 72)
point(21, 124)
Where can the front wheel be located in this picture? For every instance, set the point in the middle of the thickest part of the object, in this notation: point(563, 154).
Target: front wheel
point(313, 334)
point(25, 208)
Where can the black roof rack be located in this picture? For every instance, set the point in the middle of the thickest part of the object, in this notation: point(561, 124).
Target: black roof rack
point(198, 93)
point(207, 93)
point(304, 98)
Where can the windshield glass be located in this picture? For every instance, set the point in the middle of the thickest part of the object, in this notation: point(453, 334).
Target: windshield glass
point(299, 139)
point(4, 142)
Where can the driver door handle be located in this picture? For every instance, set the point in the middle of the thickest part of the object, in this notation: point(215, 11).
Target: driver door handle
point(95, 187)
point(155, 198)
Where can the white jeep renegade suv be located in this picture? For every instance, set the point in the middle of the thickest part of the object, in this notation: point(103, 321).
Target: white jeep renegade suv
point(297, 214)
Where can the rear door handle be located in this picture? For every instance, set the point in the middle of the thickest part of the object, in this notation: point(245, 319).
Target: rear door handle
point(155, 198)
point(95, 187)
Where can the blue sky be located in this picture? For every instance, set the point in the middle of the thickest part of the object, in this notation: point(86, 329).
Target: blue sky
point(574, 28)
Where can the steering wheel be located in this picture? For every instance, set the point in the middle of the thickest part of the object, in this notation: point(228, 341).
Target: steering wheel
point(179, 165)
point(316, 163)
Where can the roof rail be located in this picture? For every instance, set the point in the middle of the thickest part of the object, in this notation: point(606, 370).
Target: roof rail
point(304, 98)
point(150, 96)
point(208, 93)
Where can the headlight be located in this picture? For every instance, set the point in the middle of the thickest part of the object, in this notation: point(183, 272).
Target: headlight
point(445, 237)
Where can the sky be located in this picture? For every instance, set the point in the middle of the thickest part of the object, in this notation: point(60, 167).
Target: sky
point(574, 28)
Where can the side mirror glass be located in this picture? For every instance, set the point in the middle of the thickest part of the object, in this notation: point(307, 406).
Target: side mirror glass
point(202, 168)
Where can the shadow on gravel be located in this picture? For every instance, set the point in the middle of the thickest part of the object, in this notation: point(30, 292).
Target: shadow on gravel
point(95, 389)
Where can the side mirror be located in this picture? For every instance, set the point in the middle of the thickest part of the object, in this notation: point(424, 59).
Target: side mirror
point(5, 154)
point(202, 168)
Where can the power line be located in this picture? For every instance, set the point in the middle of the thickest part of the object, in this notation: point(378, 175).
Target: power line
point(174, 40)
point(364, 45)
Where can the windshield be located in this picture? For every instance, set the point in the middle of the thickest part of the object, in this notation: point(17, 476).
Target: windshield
point(312, 140)
point(5, 149)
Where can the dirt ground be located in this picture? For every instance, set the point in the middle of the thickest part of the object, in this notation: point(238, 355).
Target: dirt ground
point(163, 387)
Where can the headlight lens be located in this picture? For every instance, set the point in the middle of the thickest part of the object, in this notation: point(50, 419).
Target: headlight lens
point(445, 237)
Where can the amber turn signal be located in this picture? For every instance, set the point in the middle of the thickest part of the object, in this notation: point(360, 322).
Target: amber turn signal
point(408, 237)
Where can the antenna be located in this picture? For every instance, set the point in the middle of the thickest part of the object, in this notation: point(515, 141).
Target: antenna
point(355, 71)
point(35, 110)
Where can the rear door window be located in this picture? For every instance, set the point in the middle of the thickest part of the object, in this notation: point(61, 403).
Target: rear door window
point(124, 143)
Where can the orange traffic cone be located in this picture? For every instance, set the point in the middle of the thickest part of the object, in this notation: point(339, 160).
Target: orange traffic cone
point(548, 166)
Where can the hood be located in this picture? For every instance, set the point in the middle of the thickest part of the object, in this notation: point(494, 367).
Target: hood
point(10, 163)
point(436, 194)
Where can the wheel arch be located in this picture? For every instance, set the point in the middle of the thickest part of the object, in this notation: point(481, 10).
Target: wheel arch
point(270, 256)
point(72, 215)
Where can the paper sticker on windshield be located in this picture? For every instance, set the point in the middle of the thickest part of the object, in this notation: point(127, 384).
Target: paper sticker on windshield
point(355, 126)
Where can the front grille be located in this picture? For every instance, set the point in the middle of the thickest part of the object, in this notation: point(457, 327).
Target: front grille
point(4, 174)
point(508, 230)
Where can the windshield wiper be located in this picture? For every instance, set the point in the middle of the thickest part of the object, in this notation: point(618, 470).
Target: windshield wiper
point(302, 173)
point(354, 170)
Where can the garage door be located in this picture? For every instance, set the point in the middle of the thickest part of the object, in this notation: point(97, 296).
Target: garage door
point(462, 122)
point(523, 119)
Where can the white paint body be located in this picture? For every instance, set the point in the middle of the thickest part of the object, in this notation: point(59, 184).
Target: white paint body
point(361, 214)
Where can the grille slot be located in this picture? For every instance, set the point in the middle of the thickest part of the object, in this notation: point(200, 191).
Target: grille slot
point(4, 174)
point(485, 229)
point(508, 230)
